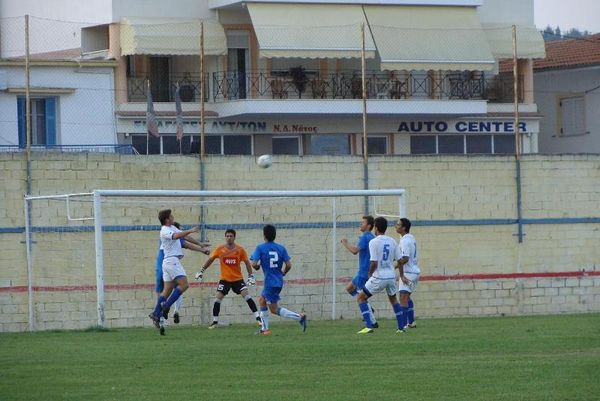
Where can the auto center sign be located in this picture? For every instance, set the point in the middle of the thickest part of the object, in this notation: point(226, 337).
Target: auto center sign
point(461, 126)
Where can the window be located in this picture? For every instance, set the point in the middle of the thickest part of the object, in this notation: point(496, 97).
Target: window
point(140, 145)
point(376, 145)
point(237, 145)
point(329, 145)
point(43, 121)
point(451, 144)
point(422, 144)
point(572, 116)
point(479, 144)
point(504, 144)
point(286, 145)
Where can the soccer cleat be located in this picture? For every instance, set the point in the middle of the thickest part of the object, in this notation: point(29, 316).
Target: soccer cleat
point(213, 325)
point(165, 310)
point(264, 332)
point(155, 320)
point(375, 325)
point(162, 327)
point(366, 330)
point(303, 321)
point(412, 325)
point(176, 318)
point(400, 331)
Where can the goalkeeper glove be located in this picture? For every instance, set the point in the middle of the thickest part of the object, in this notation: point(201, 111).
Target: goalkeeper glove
point(200, 275)
point(251, 280)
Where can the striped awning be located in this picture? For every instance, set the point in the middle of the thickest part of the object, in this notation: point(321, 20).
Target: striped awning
point(429, 38)
point(310, 30)
point(154, 36)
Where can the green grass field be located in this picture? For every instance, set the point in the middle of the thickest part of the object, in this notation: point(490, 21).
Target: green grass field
point(520, 358)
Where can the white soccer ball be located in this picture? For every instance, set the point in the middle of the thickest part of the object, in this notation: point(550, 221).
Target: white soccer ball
point(264, 161)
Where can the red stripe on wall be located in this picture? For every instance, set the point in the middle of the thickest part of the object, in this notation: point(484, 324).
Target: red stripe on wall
point(308, 281)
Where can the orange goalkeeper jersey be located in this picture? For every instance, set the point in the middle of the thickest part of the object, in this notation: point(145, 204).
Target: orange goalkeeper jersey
point(230, 261)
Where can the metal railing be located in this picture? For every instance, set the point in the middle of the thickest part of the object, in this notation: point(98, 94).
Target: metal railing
point(232, 85)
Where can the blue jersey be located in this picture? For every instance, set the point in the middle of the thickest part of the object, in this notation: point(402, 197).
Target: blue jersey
point(271, 256)
point(364, 258)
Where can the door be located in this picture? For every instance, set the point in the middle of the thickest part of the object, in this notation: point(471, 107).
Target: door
point(159, 78)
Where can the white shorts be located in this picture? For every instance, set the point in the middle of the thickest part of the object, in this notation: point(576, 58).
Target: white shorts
point(412, 287)
point(376, 285)
point(172, 268)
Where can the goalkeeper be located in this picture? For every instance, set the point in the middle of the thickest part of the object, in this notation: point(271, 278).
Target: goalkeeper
point(231, 257)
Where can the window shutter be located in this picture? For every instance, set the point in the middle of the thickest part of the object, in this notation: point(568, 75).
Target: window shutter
point(21, 122)
point(51, 121)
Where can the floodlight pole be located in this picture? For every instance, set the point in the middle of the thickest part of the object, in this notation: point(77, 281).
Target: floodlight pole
point(29, 267)
point(334, 256)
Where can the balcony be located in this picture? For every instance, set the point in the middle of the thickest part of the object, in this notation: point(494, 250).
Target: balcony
point(226, 86)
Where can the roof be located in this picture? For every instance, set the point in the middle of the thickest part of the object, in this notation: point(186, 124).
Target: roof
point(565, 54)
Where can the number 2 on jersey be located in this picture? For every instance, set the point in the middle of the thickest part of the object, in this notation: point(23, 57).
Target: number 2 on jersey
point(274, 258)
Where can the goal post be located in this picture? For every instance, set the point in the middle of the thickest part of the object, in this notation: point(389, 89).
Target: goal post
point(128, 215)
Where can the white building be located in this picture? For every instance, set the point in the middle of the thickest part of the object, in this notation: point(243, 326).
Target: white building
point(285, 76)
point(567, 90)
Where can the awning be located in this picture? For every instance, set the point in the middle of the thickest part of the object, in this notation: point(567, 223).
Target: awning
point(156, 36)
point(310, 30)
point(429, 38)
point(530, 43)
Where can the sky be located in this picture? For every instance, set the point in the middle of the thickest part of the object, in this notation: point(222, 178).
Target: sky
point(580, 14)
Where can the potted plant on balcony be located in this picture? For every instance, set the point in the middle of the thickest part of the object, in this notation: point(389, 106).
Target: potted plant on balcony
point(299, 78)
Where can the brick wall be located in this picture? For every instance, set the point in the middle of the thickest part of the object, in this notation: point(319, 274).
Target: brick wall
point(462, 206)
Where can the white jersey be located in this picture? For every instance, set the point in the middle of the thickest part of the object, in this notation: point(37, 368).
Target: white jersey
point(408, 248)
point(172, 247)
point(383, 251)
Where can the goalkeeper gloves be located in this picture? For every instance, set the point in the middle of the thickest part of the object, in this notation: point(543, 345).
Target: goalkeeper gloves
point(200, 275)
point(251, 280)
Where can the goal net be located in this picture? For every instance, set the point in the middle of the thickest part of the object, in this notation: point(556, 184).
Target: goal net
point(92, 257)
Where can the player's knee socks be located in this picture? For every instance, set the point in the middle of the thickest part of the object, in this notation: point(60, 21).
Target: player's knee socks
point(411, 311)
point(372, 314)
point(178, 304)
point(216, 309)
point(288, 314)
point(157, 308)
point(173, 297)
point(400, 316)
point(251, 304)
point(364, 309)
point(264, 318)
point(354, 292)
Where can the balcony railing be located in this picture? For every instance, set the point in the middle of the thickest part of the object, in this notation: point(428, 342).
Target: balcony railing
point(228, 85)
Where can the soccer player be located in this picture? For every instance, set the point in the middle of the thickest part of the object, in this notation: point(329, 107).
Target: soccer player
point(382, 275)
point(272, 256)
point(362, 249)
point(408, 263)
point(174, 277)
point(188, 242)
point(231, 257)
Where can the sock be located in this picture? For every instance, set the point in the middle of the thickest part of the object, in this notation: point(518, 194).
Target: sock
point(216, 309)
point(251, 304)
point(264, 318)
point(178, 304)
point(372, 314)
point(411, 311)
point(400, 316)
point(173, 297)
point(364, 309)
point(288, 314)
point(354, 292)
point(157, 308)
point(404, 316)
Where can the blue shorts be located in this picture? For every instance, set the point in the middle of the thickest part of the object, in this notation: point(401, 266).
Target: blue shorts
point(271, 294)
point(359, 282)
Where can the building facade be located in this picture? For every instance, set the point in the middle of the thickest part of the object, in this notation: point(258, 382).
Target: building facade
point(285, 77)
